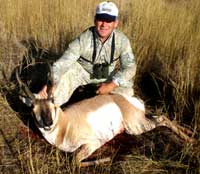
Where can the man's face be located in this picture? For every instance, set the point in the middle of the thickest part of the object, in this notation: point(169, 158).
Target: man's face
point(104, 28)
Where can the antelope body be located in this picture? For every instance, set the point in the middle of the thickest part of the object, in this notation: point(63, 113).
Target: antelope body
point(91, 123)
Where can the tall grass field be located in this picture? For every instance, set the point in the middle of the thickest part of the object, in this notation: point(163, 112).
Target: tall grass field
point(165, 38)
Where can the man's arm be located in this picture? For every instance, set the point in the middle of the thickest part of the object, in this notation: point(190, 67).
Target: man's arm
point(71, 55)
point(126, 72)
point(127, 63)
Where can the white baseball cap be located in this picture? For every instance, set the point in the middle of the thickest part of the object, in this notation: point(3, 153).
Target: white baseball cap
point(106, 11)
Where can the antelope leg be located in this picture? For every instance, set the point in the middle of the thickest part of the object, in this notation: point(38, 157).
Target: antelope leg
point(164, 121)
point(186, 130)
point(86, 150)
point(95, 162)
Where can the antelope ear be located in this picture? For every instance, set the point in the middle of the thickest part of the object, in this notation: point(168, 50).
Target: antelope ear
point(27, 101)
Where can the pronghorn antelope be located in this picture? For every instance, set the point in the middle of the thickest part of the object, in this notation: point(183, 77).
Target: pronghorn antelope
point(89, 124)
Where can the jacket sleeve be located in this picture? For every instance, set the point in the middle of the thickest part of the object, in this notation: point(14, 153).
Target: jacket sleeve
point(127, 63)
point(70, 56)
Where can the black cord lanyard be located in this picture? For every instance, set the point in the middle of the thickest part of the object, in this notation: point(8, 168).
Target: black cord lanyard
point(112, 47)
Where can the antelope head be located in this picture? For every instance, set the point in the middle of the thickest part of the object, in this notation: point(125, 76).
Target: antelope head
point(44, 109)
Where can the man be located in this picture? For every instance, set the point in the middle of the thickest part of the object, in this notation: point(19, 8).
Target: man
point(101, 54)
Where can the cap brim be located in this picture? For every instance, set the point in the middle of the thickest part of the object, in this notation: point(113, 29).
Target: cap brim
point(105, 17)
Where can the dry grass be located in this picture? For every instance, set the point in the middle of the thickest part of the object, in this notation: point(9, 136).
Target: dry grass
point(165, 38)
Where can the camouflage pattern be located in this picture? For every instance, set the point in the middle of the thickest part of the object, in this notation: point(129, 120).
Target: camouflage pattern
point(75, 77)
point(75, 67)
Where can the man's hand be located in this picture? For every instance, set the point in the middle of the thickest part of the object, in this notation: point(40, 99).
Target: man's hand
point(43, 92)
point(106, 88)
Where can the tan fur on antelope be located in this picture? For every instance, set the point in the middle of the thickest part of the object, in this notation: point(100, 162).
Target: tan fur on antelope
point(91, 123)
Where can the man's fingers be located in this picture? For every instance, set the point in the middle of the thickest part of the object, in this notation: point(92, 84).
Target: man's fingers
point(43, 95)
point(106, 88)
point(43, 92)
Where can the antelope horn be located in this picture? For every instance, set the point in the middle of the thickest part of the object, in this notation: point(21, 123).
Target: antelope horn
point(49, 81)
point(24, 87)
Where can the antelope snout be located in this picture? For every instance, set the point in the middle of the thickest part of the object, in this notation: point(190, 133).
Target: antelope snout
point(44, 122)
point(48, 122)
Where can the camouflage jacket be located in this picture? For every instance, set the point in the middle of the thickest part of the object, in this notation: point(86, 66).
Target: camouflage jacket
point(81, 50)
